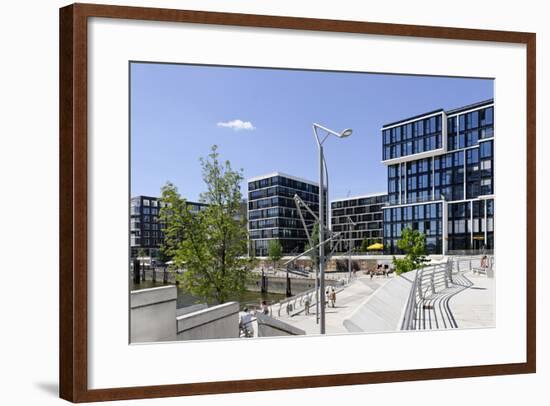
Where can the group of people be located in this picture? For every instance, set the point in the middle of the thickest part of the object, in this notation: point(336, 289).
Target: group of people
point(380, 270)
point(330, 296)
point(246, 318)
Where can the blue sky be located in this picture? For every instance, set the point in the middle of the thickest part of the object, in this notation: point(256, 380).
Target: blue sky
point(179, 111)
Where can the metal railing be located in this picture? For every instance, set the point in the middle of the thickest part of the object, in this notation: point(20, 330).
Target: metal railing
point(473, 263)
point(434, 278)
point(427, 281)
point(294, 305)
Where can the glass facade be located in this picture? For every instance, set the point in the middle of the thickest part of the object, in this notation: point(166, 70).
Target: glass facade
point(272, 212)
point(146, 232)
point(366, 213)
point(463, 172)
point(470, 225)
point(413, 137)
point(426, 218)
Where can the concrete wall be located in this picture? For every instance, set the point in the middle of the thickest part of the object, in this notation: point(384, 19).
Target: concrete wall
point(221, 321)
point(153, 314)
point(383, 310)
point(270, 327)
point(190, 309)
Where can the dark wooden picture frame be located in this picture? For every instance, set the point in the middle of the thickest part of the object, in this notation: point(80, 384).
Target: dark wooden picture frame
point(73, 201)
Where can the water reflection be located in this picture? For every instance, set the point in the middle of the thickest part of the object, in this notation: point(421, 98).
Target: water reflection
point(248, 299)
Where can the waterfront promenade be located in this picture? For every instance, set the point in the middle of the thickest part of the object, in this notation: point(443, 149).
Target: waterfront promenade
point(467, 302)
point(348, 300)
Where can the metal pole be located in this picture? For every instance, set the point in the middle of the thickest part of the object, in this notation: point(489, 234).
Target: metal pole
point(316, 295)
point(349, 250)
point(321, 239)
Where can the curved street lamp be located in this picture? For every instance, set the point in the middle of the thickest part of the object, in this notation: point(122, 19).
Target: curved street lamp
point(322, 169)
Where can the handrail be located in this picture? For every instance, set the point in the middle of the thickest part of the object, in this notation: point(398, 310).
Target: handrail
point(434, 278)
point(296, 304)
point(427, 279)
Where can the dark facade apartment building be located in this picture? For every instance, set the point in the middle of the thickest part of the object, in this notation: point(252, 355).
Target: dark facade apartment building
point(367, 214)
point(146, 232)
point(272, 213)
point(440, 178)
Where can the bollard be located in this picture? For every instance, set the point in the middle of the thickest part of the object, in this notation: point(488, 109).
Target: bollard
point(137, 270)
point(263, 285)
point(288, 286)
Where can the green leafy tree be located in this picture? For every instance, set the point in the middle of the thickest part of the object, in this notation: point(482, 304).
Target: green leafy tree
point(162, 256)
point(413, 244)
point(142, 253)
point(314, 254)
point(209, 245)
point(364, 245)
point(274, 251)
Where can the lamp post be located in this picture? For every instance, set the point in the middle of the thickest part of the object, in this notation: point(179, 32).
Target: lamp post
point(350, 224)
point(444, 225)
point(322, 168)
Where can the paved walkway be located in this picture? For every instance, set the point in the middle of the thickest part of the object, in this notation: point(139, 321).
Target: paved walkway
point(347, 301)
point(469, 302)
point(475, 306)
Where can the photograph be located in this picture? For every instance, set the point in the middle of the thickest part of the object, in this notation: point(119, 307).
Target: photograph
point(273, 202)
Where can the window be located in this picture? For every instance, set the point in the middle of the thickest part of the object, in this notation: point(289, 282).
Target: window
point(420, 128)
point(486, 186)
point(486, 116)
point(472, 156)
point(486, 165)
point(462, 122)
point(408, 131)
point(472, 120)
point(472, 138)
point(432, 123)
point(386, 135)
point(486, 149)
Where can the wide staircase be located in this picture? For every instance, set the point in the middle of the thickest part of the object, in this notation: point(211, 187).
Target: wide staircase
point(433, 288)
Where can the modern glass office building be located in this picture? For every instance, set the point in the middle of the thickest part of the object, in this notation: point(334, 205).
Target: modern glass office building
point(440, 178)
point(272, 213)
point(146, 232)
point(367, 214)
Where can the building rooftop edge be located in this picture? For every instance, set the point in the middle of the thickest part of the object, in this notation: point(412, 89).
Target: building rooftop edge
point(277, 173)
point(448, 112)
point(428, 113)
point(158, 198)
point(470, 106)
point(340, 199)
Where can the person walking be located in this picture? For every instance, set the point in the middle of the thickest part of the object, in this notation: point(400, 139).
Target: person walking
point(245, 323)
point(306, 305)
point(483, 262)
point(333, 296)
point(264, 308)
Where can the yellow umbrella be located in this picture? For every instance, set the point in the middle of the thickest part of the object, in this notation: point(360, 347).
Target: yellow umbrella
point(375, 246)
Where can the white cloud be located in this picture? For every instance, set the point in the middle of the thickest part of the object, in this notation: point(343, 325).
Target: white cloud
point(237, 125)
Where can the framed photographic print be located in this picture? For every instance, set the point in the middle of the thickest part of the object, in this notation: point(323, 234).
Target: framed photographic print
point(318, 197)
